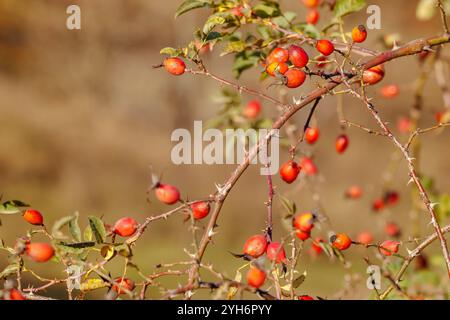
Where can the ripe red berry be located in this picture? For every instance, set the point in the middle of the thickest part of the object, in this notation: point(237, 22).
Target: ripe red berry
point(325, 47)
point(311, 3)
point(321, 62)
point(392, 229)
point(373, 75)
point(275, 252)
point(359, 34)
point(15, 294)
point(125, 227)
point(316, 247)
point(255, 246)
point(354, 192)
point(297, 56)
point(391, 198)
point(252, 109)
point(311, 135)
point(277, 68)
point(378, 205)
point(39, 252)
point(167, 193)
point(174, 66)
point(305, 297)
point(120, 284)
point(34, 217)
point(389, 247)
point(304, 221)
point(278, 55)
point(341, 241)
point(200, 209)
point(256, 277)
point(237, 11)
point(308, 166)
point(342, 143)
point(302, 235)
point(294, 78)
point(390, 91)
point(289, 171)
point(404, 125)
point(365, 237)
point(312, 17)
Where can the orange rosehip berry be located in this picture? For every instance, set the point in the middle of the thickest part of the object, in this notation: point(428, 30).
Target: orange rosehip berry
point(341, 241)
point(33, 217)
point(359, 34)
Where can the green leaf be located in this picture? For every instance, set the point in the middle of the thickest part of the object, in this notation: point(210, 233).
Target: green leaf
point(58, 225)
point(214, 35)
point(213, 21)
point(87, 234)
point(9, 270)
point(344, 7)
point(12, 207)
point(74, 228)
point(267, 10)
point(298, 281)
point(78, 245)
point(172, 52)
point(98, 229)
point(189, 5)
point(68, 249)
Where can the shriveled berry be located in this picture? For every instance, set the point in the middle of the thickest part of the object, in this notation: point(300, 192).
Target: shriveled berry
point(125, 227)
point(174, 66)
point(255, 246)
point(200, 209)
point(33, 217)
point(289, 171)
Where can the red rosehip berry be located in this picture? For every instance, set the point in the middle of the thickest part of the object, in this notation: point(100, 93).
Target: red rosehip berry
point(316, 248)
point(304, 221)
point(255, 246)
point(325, 47)
point(373, 75)
point(354, 192)
point(308, 166)
point(391, 198)
point(174, 66)
point(256, 277)
point(342, 143)
point(237, 11)
point(289, 171)
point(390, 91)
point(121, 284)
point(294, 78)
point(277, 68)
point(200, 209)
point(378, 205)
point(39, 252)
point(275, 252)
point(404, 125)
point(33, 217)
point(389, 247)
point(305, 297)
point(365, 237)
point(297, 56)
point(302, 235)
point(167, 193)
point(311, 135)
point(359, 34)
point(125, 227)
point(15, 294)
point(312, 17)
point(278, 55)
point(341, 241)
point(392, 229)
point(252, 109)
point(311, 3)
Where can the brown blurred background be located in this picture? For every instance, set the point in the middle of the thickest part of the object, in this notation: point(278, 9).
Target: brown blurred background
point(84, 116)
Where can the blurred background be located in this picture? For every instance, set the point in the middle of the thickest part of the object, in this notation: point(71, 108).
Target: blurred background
point(84, 117)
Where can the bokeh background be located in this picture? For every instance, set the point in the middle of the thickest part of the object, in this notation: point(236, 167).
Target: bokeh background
point(84, 117)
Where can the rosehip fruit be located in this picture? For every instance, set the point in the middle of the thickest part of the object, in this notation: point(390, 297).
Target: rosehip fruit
point(373, 75)
point(237, 11)
point(311, 135)
point(342, 143)
point(389, 247)
point(252, 109)
point(354, 192)
point(390, 91)
point(308, 166)
point(255, 277)
point(174, 66)
point(439, 116)
point(302, 235)
point(39, 252)
point(378, 205)
point(255, 246)
point(289, 171)
point(391, 198)
point(392, 229)
point(365, 238)
point(120, 284)
point(311, 3)
point(325, 47)
point(34, 217)
point(15, 294)
point(125, 227)
point(278, 55)
point(277, 68)
point(200, 209)
point(167, 193)
point(294, 78)
point(359, 34)
point(304, 221)
point(312, 17)
point(305, 297)
point(316, 247)
point(341, 241)
point(404, 125)
point(275, 252)
point(297, 56)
